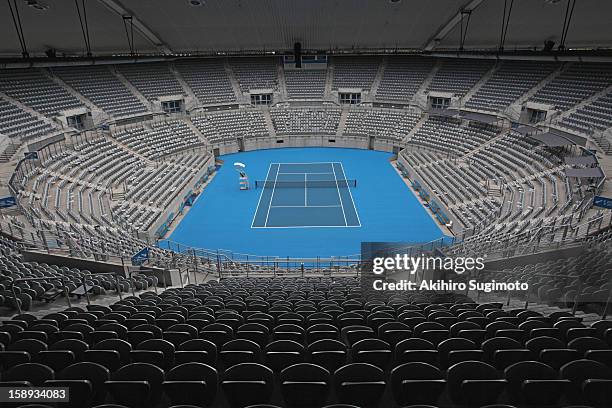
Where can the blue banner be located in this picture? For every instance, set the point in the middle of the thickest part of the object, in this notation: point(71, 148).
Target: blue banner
point(7, 202)
point(140, 257)
point(603, 202)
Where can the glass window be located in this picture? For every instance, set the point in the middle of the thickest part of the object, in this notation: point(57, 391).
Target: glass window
point(440, 103)
point(171, 106)
point(536, 116)
point(75, 121)
point(350, 98)
point(261, 99)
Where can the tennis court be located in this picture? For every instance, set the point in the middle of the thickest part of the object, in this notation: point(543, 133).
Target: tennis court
point(305, 195)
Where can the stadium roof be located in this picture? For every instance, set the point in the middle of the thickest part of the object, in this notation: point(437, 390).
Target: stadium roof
point(250, 26)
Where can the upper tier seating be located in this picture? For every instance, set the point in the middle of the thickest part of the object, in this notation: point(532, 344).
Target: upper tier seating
point(402, 78)
point(355, 72)
point(594, 116)
point(228, 125)
point(15, 122)
point(458, 76)
point(305, 83)
point(151, 80)
point(100, 86)
point(208, 80)
point(385, 123)
point(509, 82)
point(306, 120)
point(575, 84)
point(34, 89)
point(255, 73)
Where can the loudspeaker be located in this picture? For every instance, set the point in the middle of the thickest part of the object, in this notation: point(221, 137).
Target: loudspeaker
point(297, 52)
point(548, 45)
point(51, 52)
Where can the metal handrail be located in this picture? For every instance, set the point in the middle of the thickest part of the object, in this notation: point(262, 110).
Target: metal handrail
point(83, 280)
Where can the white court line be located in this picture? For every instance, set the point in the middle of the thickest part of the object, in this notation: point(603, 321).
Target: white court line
point(261, 195)
point(305, 173)
point(314, 226)
point(307, 163)
point(271, 197)
point(351, 195)
point(305, 190)
point(305, 206)
point(339, 196)
point(327, 206)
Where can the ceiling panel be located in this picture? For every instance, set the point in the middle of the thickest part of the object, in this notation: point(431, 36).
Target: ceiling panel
point(58, 27)
point(534, 21)
point(278, 24)
point(256, 25)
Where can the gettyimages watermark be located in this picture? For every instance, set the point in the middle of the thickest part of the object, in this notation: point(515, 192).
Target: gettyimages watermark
point(425, 267)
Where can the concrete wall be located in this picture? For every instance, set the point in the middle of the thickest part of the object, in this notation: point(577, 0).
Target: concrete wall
point(305, 141)
point(88, 264)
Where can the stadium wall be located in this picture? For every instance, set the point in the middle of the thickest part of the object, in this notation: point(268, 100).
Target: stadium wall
point(344, 141)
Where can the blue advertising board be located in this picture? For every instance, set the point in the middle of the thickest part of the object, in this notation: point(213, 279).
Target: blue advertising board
point(6, 202)
point(140, 257)
point(603, 202)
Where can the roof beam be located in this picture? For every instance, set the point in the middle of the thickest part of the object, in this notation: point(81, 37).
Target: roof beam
point(450, 25)
point(139, 25)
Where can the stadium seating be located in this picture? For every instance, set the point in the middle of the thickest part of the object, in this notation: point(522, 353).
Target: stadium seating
point(458, 76)
point(374, 373)
point(16, 123)
point(355, 72)
point(228, 125)
point(71, 192)
point(152, 80)
point(115, 128)
point(163, 138)
point(591, 117)
point(508, 84)
point(384, 123)
point(305, 83)
point(255, 73)
point(484, 152)
point(208, 80)
point(34, 89)
point(305, 121)
point(402, 78)
point(103, 89)
point(575, 83)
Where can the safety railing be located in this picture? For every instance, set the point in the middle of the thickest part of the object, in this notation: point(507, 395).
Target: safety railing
point(90, 275)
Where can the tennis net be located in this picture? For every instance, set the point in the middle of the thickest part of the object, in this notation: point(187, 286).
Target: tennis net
point(305, 183)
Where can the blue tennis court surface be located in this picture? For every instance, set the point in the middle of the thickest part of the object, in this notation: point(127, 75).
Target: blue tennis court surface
point(383, 206)
point(306, 195)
